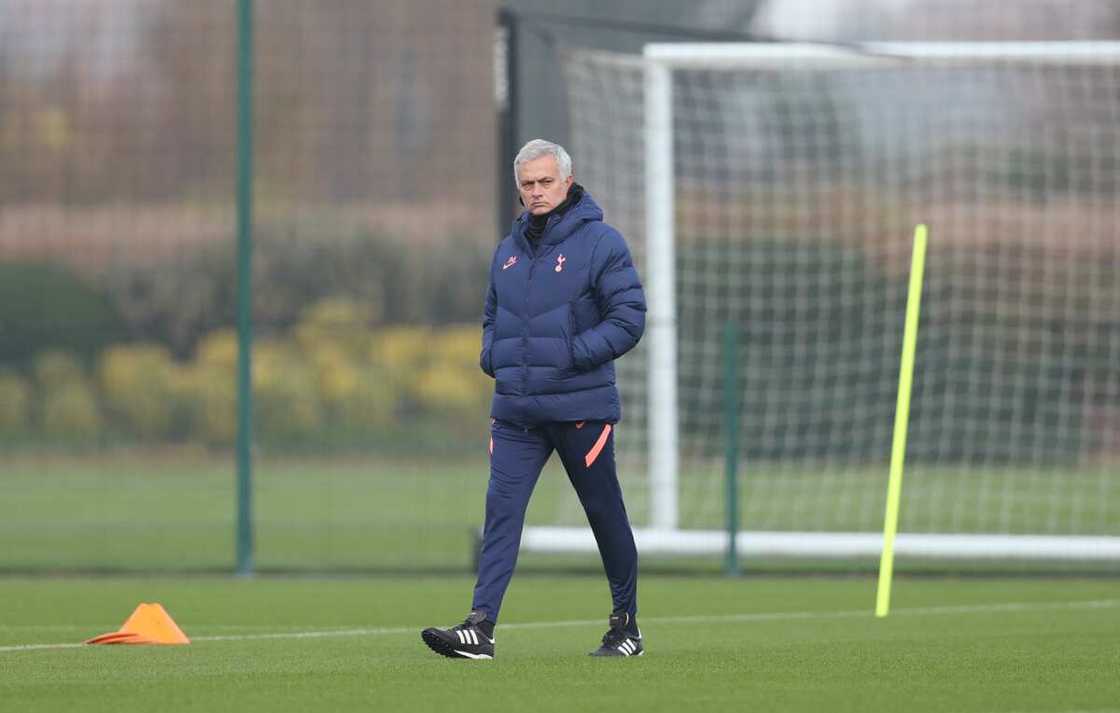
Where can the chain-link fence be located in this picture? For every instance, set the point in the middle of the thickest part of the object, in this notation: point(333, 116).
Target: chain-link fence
point(374, 152)
point(375, 138)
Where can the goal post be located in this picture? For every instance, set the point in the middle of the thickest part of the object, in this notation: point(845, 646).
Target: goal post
point(661, 318)
point(790, 175)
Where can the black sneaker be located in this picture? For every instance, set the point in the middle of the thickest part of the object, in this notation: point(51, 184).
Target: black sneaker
point(618, 641)
point(473, 639)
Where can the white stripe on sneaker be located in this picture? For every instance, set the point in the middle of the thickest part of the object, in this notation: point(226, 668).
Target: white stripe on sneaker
point(459, 633)
point(473, 635)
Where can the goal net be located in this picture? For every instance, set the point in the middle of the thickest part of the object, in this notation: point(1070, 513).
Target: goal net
point(774, 188)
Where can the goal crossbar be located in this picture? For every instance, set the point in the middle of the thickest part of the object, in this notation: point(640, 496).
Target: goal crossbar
point(847, 56)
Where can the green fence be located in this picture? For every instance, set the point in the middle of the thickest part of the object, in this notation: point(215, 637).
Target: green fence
point(131, 171)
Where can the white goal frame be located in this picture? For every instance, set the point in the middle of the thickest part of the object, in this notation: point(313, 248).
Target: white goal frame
point(663, 535)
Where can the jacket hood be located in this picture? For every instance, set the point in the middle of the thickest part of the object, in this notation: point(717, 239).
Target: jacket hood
point(584, 209)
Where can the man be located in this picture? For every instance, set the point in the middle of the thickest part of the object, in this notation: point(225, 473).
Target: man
point(564, 302)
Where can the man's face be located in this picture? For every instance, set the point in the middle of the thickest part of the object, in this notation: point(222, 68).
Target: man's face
point(540, 184)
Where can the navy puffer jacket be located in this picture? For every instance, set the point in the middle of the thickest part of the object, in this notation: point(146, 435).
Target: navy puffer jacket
point(558, 313)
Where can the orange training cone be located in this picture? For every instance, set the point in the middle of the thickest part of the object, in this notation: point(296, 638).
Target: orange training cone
point(149, 624)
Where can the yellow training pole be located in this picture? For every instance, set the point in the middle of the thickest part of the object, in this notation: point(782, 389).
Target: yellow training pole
point(901, 420)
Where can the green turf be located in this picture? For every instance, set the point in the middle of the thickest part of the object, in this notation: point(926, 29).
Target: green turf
point(170, 513)
point(792, 644)
point(176, 512)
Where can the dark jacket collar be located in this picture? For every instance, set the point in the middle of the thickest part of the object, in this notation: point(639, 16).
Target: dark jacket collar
point(559, 223)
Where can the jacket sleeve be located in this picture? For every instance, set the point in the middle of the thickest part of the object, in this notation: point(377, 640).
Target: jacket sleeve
point(489, 311)
point(618, 292)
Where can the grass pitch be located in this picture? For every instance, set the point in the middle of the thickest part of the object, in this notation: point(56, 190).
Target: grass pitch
point(714, 644)
point(174, 513)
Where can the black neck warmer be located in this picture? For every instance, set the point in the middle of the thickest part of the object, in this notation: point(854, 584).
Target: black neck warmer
point(535, 228)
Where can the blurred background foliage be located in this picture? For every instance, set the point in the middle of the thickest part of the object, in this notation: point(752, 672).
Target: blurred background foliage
point(374, 224)
point(375, 142)
point(335, 378)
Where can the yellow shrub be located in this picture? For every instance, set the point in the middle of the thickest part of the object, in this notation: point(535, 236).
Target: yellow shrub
point(437, 368)
point(272, 359)
point(15, 400)
point(402, 348)
point(208, 388)
point(403, 353)
point(136, 382)
point(54, 368)
point(208, 395)
point(339, 322)
point(453, 390)
point(333, 370)
point(459, 345)
point(336, 373)
point(288, 406)
point(371, 403)
point(218, 349)
point(69, 412)
point(358, 394)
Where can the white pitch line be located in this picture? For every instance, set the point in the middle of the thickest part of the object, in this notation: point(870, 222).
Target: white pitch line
point(700, 619)
point(39, 647)
point(320, 634)
point(1081, 710)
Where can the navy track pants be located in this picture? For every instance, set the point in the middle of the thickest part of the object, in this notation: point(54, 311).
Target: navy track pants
point(517, 455)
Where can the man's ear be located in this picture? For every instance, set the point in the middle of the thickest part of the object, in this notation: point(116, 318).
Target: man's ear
point(520, 200)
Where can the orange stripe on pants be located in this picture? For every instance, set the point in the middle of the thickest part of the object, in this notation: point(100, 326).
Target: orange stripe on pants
point(598, 447)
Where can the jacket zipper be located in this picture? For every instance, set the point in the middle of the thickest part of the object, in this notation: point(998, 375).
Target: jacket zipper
point(535, 255)
point(525, 332)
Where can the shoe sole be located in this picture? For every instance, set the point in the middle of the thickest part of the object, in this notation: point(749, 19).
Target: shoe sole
point(444, 648)
point(617, 656)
